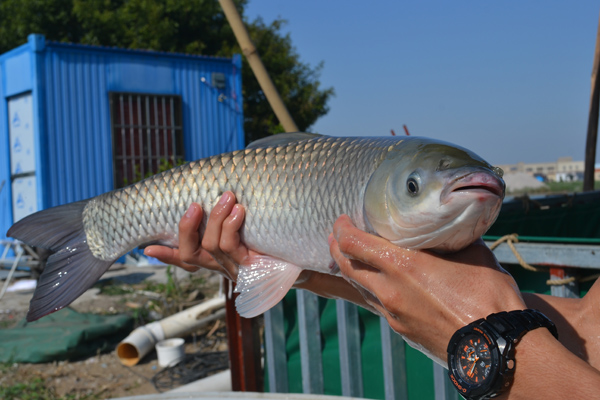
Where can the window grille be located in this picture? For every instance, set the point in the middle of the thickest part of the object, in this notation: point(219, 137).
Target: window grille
point(147, 135)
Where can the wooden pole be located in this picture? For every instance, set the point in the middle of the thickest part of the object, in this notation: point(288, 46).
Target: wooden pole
point(264, 80)
point(592, 132)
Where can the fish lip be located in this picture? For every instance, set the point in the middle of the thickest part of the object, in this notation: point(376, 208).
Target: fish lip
point(482, 181)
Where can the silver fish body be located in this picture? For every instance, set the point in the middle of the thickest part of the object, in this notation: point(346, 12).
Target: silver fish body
point(292, 192)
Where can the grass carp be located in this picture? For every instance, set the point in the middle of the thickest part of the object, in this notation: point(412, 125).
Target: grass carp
point(417, 193)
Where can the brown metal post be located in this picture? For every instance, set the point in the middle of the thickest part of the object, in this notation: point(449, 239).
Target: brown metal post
point(243, 337)
point(592, 132)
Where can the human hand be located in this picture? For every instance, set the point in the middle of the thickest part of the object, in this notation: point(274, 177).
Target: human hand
point(424, 296)
point(222, 250)
point(219, 249)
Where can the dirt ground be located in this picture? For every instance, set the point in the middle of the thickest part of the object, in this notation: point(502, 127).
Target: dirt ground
point(103, 375)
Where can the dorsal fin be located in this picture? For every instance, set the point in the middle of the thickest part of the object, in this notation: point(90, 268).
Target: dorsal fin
point(281, 139)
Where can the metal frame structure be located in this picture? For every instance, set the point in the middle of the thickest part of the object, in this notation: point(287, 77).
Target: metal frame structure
point(563, 261)
point(16, 254)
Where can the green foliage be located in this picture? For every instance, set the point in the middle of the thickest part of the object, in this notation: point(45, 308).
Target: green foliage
point(163, 165)
point(36, 389)
point(187, 26)
point(148, 299)
point(297, 83)
point(112, 288)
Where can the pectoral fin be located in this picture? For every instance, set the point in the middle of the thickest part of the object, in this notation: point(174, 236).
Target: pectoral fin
point(262, 284)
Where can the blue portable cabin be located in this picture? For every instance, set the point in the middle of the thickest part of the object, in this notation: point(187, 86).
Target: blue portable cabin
point(78, 120)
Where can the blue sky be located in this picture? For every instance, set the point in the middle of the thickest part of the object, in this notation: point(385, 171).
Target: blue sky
point(507, 79)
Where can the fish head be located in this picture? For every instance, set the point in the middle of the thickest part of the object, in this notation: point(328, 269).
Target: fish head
point(429, 194)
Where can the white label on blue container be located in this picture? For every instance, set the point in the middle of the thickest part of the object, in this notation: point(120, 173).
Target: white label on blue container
point(20, 129)
point(24, 192)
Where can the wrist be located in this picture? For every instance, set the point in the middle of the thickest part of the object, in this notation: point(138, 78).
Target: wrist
point(548, 370)
point(482, 355)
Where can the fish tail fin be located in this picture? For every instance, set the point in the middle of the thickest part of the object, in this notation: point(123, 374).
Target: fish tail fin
point(71, 269)
point(262, 284)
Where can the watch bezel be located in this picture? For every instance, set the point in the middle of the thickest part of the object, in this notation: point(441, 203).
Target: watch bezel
point(496, 345)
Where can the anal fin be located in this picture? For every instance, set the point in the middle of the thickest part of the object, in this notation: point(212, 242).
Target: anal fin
point(263, 283)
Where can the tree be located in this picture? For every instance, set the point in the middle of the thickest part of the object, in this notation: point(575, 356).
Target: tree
point(188, 26)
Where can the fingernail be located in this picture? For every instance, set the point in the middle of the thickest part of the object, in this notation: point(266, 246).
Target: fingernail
point(224, 199)
point(330, 238)
point(235, 211)
point(190, 212)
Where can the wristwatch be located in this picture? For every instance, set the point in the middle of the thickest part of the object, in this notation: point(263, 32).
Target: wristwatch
point(481, 356)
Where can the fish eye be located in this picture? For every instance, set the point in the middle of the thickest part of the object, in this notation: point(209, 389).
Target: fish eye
point(412, 184)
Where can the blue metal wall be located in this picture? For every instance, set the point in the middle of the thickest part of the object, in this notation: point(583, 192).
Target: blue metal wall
point(70, 85)
point(16, 77)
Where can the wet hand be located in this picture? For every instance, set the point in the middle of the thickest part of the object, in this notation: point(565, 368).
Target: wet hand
point(424, 296)
point(219, 249)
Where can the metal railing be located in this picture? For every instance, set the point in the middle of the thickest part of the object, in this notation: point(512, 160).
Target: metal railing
point(392, 348)
point(562, 260)
point(16, 254)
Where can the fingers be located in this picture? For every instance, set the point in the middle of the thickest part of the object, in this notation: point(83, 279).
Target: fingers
point(357, 273)
point(230, 241)
point(212, 234)
point(189, 236)
point(344, 244)
point(370, 264)
point(168, 255)
point(219, 249)
point(189, 255)
point(370, 249)
point(368, 253)
point(222, 236)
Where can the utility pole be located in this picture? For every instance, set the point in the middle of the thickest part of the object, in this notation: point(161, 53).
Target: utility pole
point(264, 80)
point(592, 132)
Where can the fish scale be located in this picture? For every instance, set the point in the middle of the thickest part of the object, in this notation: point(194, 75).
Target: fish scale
point(292, 193)
point(280, 202)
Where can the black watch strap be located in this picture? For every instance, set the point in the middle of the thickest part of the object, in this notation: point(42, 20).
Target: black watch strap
point(501, 331)
point(514, 325)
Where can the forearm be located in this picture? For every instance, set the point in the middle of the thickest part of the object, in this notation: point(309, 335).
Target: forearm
point(545, 369)
point(576, 323)
point(331, 287)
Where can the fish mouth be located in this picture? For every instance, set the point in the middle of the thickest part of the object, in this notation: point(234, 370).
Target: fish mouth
point(479, 182)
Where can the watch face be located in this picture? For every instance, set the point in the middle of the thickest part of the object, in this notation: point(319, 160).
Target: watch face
point(473, 360)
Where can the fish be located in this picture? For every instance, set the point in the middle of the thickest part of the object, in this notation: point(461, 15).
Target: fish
point(418, 193)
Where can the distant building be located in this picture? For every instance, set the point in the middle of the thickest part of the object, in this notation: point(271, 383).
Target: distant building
point(564, 169)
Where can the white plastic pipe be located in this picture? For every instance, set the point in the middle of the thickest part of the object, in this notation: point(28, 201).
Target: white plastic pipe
point(143, 339)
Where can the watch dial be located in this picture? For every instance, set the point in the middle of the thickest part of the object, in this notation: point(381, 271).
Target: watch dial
point(474, 359)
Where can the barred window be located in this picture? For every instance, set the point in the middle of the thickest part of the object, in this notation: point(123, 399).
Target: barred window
point(147, 135)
